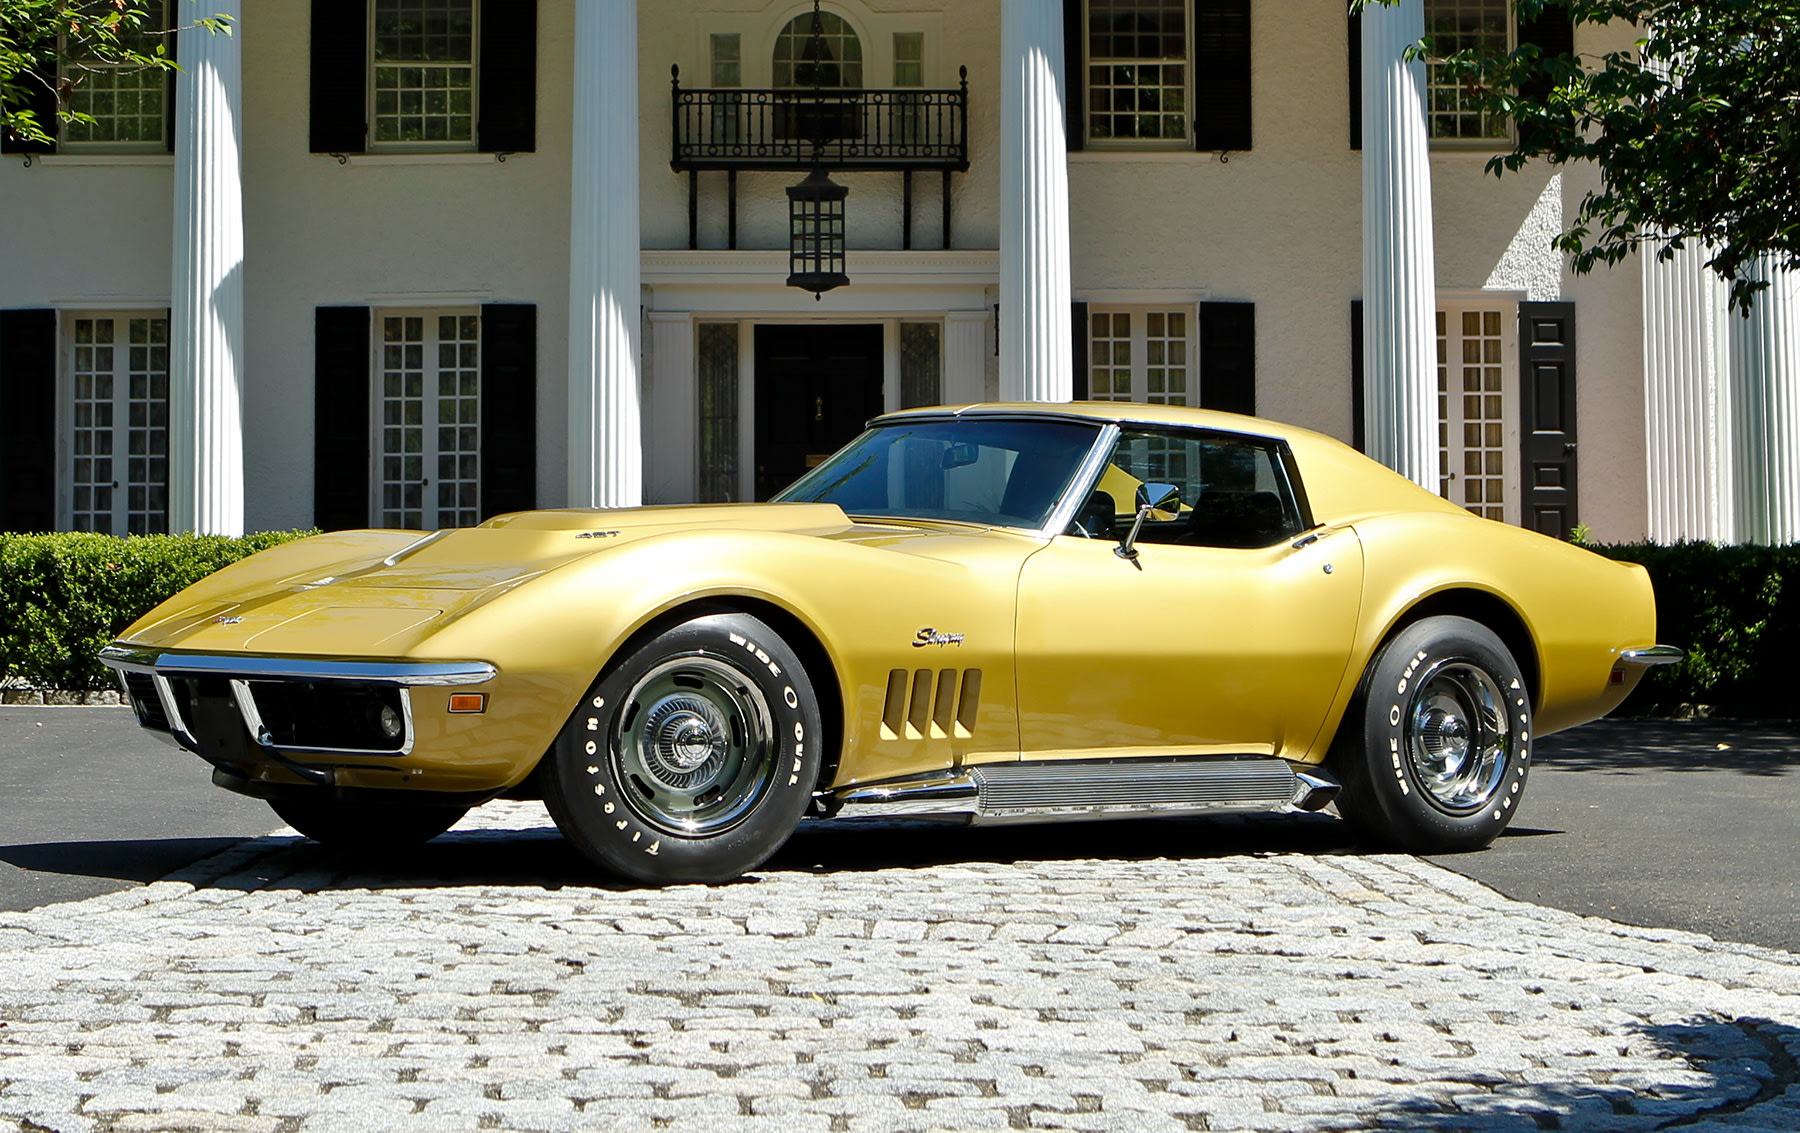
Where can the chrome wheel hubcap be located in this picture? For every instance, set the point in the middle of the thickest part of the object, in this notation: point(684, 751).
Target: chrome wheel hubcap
point(1459, 736)
point(693, 745)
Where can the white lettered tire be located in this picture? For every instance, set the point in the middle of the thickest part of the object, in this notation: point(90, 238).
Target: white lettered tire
point(693, 758)
point(1434, 750)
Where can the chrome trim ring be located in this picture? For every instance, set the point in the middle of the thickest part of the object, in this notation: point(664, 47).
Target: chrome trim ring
point(256, 666)
point(1458, 736)
point(693, 745)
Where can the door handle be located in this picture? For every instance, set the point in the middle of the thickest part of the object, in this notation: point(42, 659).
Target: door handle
point(818, 409)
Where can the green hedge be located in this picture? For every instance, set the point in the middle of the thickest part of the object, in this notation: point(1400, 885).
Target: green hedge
point(1736, 611)
point(63, 597)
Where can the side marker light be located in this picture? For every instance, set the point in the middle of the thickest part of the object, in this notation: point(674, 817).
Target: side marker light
point(468, 702)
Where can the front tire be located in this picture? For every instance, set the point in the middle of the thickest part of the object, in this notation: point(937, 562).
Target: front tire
point(693, 758)
point(1434, 750)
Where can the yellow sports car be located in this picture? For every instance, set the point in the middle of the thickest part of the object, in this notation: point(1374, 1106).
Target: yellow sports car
point(1001, 613)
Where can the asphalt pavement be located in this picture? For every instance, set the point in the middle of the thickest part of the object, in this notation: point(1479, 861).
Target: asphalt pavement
point(1666, 824)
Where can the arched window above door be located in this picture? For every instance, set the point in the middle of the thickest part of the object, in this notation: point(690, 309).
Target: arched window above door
point(834, 62)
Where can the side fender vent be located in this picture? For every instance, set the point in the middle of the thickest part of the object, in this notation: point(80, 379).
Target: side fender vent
point(936, 704)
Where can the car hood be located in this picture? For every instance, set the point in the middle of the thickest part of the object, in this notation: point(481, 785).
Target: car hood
point(386, 590)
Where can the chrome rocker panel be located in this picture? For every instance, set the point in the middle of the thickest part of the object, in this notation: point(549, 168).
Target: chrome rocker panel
point(1061, 791)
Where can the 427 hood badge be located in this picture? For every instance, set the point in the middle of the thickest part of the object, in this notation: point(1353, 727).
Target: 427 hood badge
point(930, 636)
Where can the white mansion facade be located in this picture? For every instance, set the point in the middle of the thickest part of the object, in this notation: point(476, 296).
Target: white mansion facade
point(411, 263)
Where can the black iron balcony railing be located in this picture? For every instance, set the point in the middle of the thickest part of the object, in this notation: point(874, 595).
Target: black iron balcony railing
point(730, 128)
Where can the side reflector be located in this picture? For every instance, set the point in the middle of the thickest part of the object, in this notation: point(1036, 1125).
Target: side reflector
point(1618, 676)
point(468, 702)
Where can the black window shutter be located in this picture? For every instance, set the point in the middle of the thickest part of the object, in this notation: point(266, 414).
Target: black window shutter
point(1355, 60)
point(1357, 437)
point(1078, 353)
point(1228, 357)
point(28, 420)
point(1221, 75)
point(508, 97)
point(1553, 33)
point(1547, 428)
point(508, 408)
point(340, 76)
point(1074, 74)
point(341, 351)
point(40, 98)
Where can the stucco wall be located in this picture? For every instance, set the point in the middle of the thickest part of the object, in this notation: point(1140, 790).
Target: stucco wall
point(1279, 225)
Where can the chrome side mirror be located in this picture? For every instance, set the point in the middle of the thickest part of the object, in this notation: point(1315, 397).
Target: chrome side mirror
point(1164, 499)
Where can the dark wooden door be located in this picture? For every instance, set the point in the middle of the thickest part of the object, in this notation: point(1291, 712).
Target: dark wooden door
point(1547, 418)
point(816, 386)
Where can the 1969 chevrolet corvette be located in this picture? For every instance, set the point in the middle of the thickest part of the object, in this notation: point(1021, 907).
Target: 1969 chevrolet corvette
point(1001, 613)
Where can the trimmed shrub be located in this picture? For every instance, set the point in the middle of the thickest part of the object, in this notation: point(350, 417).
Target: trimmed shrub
point(64, 597)
point(1736, 611)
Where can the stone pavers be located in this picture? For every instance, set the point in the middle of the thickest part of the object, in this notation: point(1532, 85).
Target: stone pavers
point(266, 991)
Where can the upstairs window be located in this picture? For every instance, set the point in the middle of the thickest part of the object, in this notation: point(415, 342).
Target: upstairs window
point(129, 104)
point(835, 62)
point(422, 87)
point(1463, 25)
point(1139, 81)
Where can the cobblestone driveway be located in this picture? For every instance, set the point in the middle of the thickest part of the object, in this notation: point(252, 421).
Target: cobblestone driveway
point(1258, 991)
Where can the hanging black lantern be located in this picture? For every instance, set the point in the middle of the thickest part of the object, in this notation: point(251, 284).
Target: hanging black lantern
point(816, 234)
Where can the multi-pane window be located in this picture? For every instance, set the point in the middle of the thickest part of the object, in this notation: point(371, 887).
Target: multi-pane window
point(1140, 355)
point(717, 355)
point(1138, 75)
point(1473, 411)
point(423, 72)
point(126, 102)
point(727, 60)
point(1463, 25)
point(921, 365)
point(119, 426)
point(909, 59)
point(429, 418)
point(833, 60)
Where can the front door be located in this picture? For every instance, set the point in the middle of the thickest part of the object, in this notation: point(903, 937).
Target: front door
point(816, 386)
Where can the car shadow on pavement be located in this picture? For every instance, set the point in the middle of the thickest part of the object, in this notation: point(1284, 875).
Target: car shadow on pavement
point(126, 859)
point(1746, 746)
point(1741, 1065)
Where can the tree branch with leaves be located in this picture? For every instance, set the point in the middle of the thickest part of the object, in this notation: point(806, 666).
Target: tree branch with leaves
point(48, 47)
point(1694, 128)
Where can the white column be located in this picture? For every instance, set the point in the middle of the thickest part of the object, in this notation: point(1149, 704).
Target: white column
point(1686, 402)
point(206, 318)
point(965, 357)
point(1765, 357)
point(1399, 282)
point(606, 458)
point(674, 408)
point(1034, 205)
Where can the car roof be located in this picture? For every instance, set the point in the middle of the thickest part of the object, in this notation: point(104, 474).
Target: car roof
point(1122, 412)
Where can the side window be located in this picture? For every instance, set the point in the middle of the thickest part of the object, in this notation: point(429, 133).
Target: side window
point(1203, 490)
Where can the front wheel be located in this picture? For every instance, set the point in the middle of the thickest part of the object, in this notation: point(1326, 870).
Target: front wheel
point(1434, 749)
point(693, 758)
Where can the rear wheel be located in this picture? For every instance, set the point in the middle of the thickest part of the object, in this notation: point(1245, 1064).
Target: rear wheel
point(693, 758)
point(365, 826)
point(1434, 750)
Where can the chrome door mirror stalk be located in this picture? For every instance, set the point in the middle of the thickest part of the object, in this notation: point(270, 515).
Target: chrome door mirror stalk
point(1127, 548)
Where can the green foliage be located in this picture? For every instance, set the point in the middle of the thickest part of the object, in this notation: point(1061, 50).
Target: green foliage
point(61, 41)
point(1736, 611)
point(1694, 129)
point(64, 597)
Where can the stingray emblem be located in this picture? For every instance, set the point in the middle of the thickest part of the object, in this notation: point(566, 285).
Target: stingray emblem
point(931, 636)
point(596, 534)
point(228, 619)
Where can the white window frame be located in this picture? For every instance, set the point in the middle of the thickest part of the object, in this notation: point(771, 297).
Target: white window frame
point(66, 423)
point(1451, 451)
point(757, 32)
point(1443, 142)
point(1139, 350)
point(429, 455)
point(1185, 142)
point(425, 145)
point(87, 71)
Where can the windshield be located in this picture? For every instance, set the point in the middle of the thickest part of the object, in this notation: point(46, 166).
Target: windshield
point(996, 473)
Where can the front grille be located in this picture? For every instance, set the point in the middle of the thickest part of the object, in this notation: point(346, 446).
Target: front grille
point(329, 715)
point(141, 688)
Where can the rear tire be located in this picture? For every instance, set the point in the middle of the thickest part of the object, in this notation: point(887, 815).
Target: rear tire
point(693, 758)
point(365, 826)
point(1434, 749)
